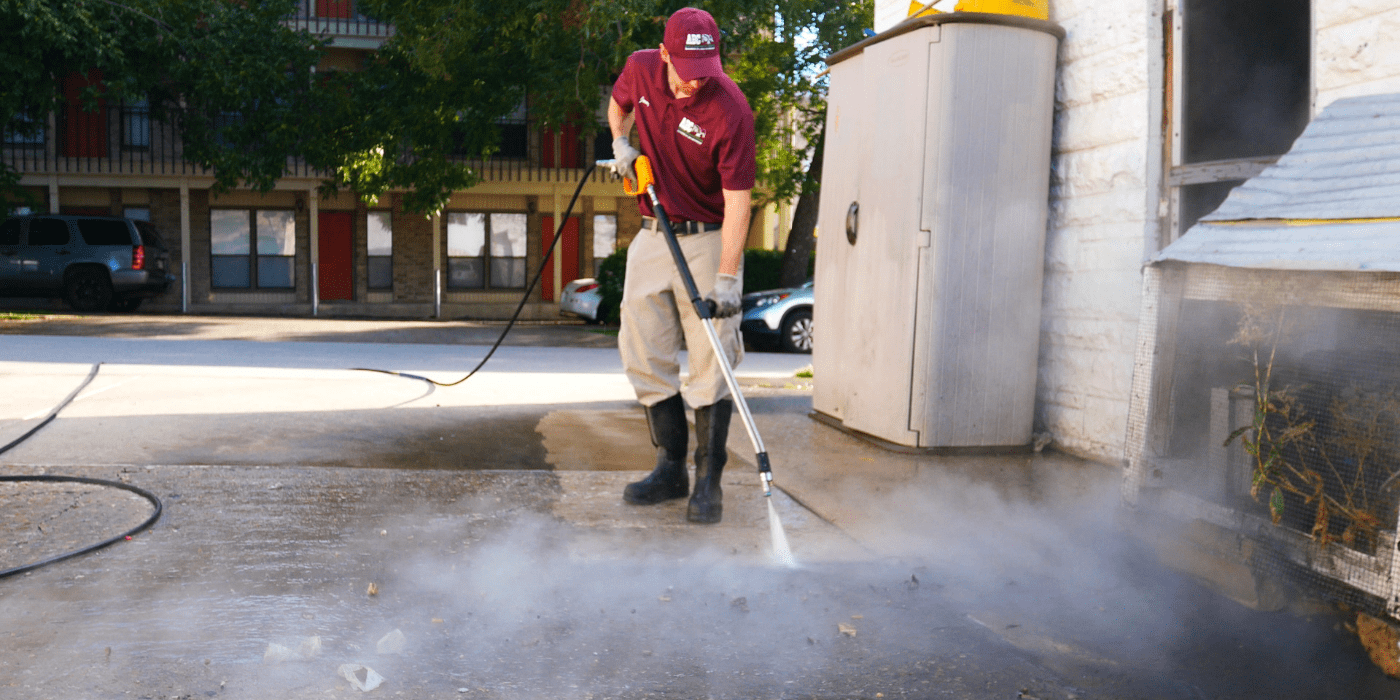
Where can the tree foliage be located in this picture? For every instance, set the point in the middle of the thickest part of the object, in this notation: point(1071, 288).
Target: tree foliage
point(238, 80)
point(234, 77)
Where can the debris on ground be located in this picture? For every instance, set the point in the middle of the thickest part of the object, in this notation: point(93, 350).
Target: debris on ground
point(362, 678)
point(392, 643)
point(276, 654)
point(1381, 641)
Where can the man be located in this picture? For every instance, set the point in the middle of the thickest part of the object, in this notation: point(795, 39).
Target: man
point(697, 130)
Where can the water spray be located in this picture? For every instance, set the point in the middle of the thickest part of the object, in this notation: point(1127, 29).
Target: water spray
point(646, 184)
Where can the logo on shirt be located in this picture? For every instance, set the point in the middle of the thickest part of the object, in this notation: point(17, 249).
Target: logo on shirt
point(691, 130)
point(643, 100)
point(699, 42)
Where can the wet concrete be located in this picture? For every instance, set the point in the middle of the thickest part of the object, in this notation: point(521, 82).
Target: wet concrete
point(501, 550)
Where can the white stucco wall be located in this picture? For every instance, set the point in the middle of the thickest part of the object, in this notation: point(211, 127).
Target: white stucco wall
point(1101, 184)
point(1356, 49)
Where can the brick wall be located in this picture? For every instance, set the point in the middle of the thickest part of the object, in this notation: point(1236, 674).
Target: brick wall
point(199, 244)
point(1100, 231)
point(165, 215)
point(413, 254)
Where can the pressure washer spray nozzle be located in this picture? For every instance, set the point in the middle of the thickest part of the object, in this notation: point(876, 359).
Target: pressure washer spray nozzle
point(765, 473)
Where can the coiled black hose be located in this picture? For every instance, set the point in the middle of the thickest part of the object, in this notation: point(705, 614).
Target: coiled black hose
point(155, 515)
point(80, 480)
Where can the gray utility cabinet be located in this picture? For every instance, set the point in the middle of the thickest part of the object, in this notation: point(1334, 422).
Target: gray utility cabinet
point(931, 231)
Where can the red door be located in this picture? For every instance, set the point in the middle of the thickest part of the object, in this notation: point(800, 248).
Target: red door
point(84, 132)
point(569, 153)
point(566, 251)
point(337, 9)
point(337, 264)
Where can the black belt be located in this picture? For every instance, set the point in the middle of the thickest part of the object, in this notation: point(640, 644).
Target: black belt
point(681, 228)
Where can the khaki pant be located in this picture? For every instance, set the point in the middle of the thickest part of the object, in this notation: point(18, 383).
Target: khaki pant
point(658, 320)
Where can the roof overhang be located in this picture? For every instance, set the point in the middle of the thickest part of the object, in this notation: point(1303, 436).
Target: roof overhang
point(1331, 203)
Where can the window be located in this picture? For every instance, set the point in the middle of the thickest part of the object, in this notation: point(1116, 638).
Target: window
point(233, 233)
point(380, 244)
point(48, 232)
point(1239, 94)
point(604, 238)
point(136, 125)
point(515, 134)
point(104, 231)
point(149, 235)
point(9, 232)
point(25, 131)
point(472, 263)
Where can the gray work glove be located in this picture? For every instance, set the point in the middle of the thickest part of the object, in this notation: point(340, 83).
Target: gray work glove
point(623, 155)
point(724, 298)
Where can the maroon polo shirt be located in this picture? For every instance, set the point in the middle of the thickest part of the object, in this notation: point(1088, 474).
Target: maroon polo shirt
point(698, 145)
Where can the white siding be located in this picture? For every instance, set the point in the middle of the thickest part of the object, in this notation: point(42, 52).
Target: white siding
point(1100, 232)
point(1356, 50)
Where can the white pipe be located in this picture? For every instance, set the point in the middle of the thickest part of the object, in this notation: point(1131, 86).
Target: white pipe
point(184, 246)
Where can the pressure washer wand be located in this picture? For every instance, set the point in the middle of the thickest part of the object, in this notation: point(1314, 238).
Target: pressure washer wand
point(705, 310)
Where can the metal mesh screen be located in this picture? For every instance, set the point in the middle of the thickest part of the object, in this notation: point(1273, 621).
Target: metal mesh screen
point(1268, 403)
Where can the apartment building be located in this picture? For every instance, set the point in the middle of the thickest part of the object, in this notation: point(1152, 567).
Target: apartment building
point(291, 251)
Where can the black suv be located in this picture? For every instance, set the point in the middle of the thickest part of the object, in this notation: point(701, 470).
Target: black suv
point(94, 262)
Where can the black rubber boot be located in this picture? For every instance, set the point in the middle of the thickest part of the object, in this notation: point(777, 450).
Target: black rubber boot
point(711, 435)
point(671, 435)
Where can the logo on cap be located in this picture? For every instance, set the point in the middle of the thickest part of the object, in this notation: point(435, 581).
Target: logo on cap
point(699, 42)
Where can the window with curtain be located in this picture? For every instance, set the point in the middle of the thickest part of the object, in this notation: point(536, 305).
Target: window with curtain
point(604, 238)
point(380, 249)
point(252, 248)
point(486, 250)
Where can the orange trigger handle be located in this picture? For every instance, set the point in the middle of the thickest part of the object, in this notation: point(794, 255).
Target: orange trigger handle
point(642, 167)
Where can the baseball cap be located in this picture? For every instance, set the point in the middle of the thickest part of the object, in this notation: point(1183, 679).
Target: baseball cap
point(692, 40)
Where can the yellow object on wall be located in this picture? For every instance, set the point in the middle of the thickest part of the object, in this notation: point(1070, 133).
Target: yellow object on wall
point(916, 5)
point(1039, 9)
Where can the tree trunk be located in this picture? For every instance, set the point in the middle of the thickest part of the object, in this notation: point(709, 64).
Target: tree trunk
point(797, 255)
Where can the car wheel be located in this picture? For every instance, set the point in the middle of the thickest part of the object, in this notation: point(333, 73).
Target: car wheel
point(125, 303)
point(88, 289)
point(797, 331)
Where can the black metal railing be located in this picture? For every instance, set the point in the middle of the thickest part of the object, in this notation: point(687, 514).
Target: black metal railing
point(342, 21)
point(123, 139)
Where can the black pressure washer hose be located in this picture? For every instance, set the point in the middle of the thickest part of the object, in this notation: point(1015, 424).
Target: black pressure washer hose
point(559, 233)
point(155, 515)
point(524, 298)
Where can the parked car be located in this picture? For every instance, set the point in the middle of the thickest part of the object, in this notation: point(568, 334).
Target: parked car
point(93, 262)
point(783, 316)
point(582, 298)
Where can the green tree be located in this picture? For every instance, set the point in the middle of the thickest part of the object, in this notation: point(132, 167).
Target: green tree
point(232, 76)
point(473, 60)
point(780, 66)
point(238, 81)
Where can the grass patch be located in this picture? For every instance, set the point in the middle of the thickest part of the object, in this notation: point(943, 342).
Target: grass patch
point(19, 316)
point(610, 332)
point(805, 372)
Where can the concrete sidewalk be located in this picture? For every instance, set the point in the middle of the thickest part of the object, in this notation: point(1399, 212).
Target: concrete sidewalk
point(488, 518)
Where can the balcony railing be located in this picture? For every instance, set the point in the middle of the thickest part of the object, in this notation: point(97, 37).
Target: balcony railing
point(122, 139)
point(342, 22)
